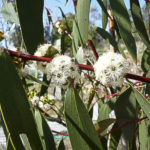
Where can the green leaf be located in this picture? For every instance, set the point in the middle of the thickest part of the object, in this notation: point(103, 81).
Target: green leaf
point(103, 6)
point(138, 21)
point(61, 145)
point(49, 15)
point(143, 102)
point(104, 15)
point(8, 12)
point(104, 124)
point(79, 124)
point(25, 141)
point(44, 132)
point(83, 10)
point(30, 77)
point(146, 60)
point(115, 137)
point(107, 36)
point(143, 136)
point(125, 110)
point(122, 18)
point(31, 22)
point(16, 111)
point(105, 109)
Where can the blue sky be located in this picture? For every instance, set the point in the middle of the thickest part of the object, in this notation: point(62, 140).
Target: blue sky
point(54, 4)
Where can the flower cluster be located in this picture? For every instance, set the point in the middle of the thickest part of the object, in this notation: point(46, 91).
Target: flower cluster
point(43, 102)
point(42, 50)
point(61, 70)
point(60, 27)
point(111, 68)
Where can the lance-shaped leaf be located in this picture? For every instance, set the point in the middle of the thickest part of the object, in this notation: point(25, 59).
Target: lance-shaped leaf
point(115, 137)
point(44, 132)
point(122, 18)
point(145, 64)
point(81, 25)
point(125, 110)
point(143, 135)
point(104, 15)
point(31, 22)
point(143, 102)
point(83, 10)
point(138, 21)
point(105, 35)
point(81, 130)
point(16, 111)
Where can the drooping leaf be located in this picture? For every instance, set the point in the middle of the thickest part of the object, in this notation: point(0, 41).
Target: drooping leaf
point(8, 12)
point(31, 22)
point(104, 15)
point(122, 18)
point(105, 109)
point(83, 10)
point(79, 124)
point(138, 21)
point(115, 137)
point(103, 6)
point(49, 15)
point(25, 141)
point(81, 25)
point(125, 110)
point(16, 111)
point(143, 135)
point(145, 64)
point(104, 124)
point(143, 102)
point(30, 77)
point(107, 36)
point(44, 132)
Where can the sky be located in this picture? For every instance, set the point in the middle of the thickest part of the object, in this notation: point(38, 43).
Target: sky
point(54, 4)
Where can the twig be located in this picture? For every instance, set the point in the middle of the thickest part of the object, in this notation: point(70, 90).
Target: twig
point(60, 133)
point(124, 125)
point(81, 66)
point(93, 49)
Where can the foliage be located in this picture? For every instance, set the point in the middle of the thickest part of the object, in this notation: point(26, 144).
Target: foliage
point(35, 89)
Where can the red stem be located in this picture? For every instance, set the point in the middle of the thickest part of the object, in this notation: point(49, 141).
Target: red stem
point(124, 125)
point(93, 49)
point(61, 133)
point(136, 77)
point(81, 66)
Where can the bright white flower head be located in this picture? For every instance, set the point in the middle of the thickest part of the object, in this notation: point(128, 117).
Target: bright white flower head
point(60, 27)
point(57, 25)
point(34, 100)
point(61, 70)
point(111, 68)
point(42, 50)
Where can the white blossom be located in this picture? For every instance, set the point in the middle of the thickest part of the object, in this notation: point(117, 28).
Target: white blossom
point(111, 68)
point(60, 27)
point(34, 100)
point(61, 70)
point(42, 50)
point(57, 25)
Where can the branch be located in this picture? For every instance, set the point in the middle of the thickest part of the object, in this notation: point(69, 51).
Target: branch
point(81, 66)
point(124, 125)
point(93, 49)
